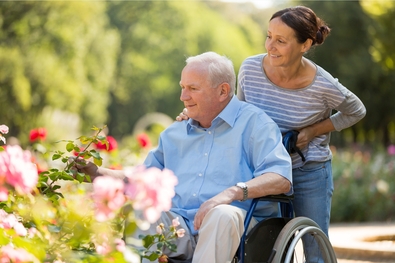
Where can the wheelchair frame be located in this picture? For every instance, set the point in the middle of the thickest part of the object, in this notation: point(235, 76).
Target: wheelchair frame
point(286, 241)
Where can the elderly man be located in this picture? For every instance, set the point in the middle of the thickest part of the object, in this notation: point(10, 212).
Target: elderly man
point(227, 153)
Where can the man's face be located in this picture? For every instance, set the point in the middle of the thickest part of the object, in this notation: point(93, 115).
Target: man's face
point(200, 99)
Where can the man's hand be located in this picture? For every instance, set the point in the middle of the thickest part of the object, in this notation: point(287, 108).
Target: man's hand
point(225, 197)
point(86, 167)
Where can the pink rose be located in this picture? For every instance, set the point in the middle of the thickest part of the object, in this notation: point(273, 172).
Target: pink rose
point(151, 190)
point(16, 255)
point(176, 222)
point(108, 197)
point(17, 169)
point(391, 149)
point(4, 129)
point(180, 232)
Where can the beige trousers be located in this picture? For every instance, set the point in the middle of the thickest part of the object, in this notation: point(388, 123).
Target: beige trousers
point(217, 241)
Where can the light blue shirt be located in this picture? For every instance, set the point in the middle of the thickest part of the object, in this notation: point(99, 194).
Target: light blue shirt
point(242, 143)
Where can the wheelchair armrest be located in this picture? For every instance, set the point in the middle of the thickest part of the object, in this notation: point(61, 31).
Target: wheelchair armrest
point(276, 198)
point(286, 210)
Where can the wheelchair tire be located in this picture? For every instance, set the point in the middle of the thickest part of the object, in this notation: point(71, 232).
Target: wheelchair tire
point(292, 233)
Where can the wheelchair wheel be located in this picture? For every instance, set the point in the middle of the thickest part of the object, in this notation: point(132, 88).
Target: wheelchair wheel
point(288, 246)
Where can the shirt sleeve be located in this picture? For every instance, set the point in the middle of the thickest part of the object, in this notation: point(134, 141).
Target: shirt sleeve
point(349, 112)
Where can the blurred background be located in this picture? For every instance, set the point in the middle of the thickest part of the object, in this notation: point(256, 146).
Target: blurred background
point(66, 66)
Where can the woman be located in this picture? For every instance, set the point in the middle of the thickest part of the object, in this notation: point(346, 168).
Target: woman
point(300, 95)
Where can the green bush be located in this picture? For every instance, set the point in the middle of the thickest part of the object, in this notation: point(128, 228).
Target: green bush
point(364, 185)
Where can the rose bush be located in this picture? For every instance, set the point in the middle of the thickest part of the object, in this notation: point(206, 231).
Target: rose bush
point(58, 215)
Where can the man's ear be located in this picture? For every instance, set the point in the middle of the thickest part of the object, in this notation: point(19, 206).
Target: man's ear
point(224, 91)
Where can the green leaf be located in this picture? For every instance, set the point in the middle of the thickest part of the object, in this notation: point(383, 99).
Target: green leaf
point(98, 162)
point(95, 154)
point(130, 228)
point(56, 156)
point(80, 177)
point(84, 140)
point(65, 176)
point(70, 146)
point(171, 246)
point(148, 240)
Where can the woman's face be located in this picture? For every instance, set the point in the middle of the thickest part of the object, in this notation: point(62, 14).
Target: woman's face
point(281, 44)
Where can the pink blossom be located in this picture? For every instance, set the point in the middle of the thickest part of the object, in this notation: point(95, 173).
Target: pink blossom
point(8, 221)
point(180, 232)
point(108, 197)
point(151, 190)
point(159, 229)
point(176, 222)
point(391, 149)
point(17, 169)
point(15, 255)
point(4, 129)
point(3, 193)
point(120, 245)
point(103, 249)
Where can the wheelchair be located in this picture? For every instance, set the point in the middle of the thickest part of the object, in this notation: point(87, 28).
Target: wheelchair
point(279, 239)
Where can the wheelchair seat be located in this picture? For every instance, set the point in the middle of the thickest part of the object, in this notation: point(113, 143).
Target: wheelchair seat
point(259, 242)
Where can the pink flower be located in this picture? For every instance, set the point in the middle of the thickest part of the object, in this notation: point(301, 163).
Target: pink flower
point(151, 190)
point(120, 245)
point(176, 222)
point(39, 134)
point(144, 140)
point(391, 149)
point(108, 197)
point(112, 144)
point(180, 232)
point(17, 169)
point(16, 255)
point(8, 221)
point(3, 193)
point(4, 129)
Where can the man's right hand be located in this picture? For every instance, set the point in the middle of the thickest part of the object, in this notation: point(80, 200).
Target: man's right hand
point(86, 167)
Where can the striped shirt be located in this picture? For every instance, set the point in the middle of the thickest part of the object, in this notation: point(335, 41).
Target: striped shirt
point(293, 109)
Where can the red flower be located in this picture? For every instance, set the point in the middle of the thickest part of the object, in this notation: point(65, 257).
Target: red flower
point(38, 134)
point(144, 140)
point(112, 144)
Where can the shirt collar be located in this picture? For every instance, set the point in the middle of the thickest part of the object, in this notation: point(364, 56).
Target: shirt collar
point(228, 115)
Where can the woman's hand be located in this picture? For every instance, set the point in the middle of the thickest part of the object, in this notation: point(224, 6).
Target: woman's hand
point(183, 115)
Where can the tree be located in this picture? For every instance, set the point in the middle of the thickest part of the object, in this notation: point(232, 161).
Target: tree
point(54, 55)
point(345, 54)
point(383, 52)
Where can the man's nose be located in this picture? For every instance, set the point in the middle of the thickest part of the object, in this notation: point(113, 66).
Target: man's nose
point(184, 95)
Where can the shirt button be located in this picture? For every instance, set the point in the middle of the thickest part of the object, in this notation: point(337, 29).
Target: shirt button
point(205, 154)
point(209, 132)
point(200, 174)
point(194, 194)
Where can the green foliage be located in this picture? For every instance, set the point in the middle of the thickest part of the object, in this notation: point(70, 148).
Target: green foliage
point(364, 186)
point(54, 55)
